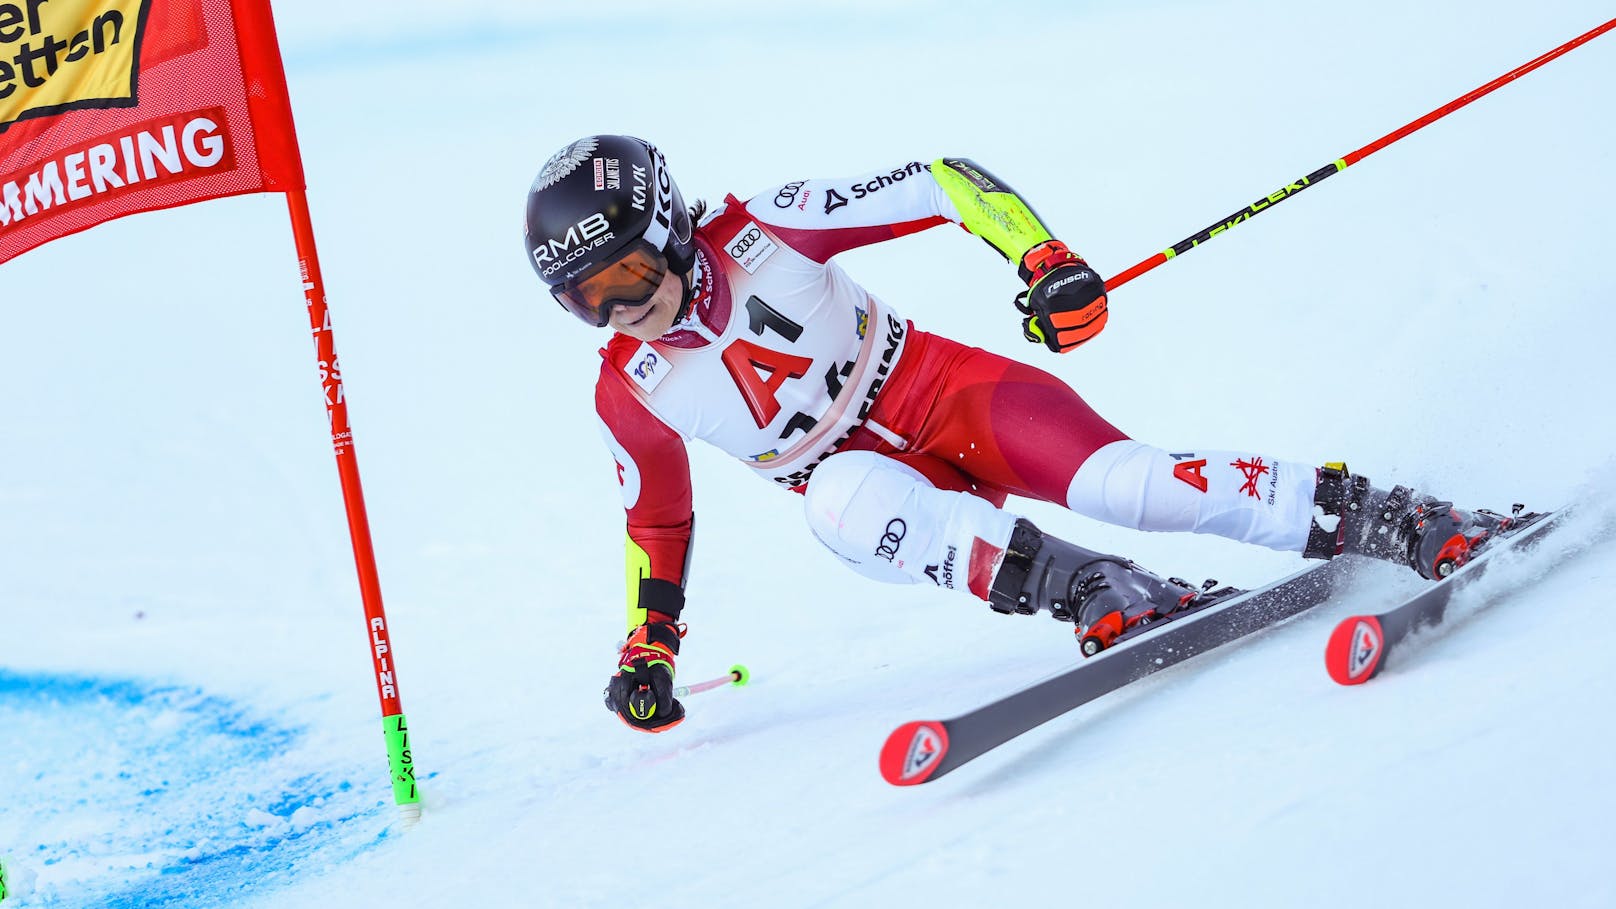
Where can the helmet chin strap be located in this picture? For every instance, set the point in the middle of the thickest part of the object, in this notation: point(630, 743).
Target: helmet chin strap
point(687, 296)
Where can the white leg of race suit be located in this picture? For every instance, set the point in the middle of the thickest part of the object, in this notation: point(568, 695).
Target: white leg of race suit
point(1232, 494)
point(888, 522)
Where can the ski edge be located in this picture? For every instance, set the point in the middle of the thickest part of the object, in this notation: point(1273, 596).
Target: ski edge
point(923, 750)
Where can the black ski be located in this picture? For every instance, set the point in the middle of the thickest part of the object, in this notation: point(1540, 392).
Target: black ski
point(1360, 644)
point(924, 750)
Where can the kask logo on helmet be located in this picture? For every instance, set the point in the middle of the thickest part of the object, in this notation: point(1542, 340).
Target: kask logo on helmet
point(662, 225)
point(664, 200)
point(641, 184)
point(67, 54)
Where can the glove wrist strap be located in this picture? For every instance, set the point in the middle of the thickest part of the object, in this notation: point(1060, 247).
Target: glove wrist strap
point(1045, 258)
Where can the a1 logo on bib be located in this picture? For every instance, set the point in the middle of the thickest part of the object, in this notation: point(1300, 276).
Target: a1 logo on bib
point(750, 247)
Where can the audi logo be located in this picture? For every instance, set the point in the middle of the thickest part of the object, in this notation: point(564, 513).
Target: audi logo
point(745, 242)
point(892, 539)
point(788, 194)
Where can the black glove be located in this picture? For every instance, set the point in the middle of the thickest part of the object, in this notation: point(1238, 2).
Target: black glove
point(641, 693)
point(1064, 300)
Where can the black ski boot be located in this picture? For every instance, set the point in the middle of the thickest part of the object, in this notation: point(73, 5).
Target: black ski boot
point(1105, 595)
point(1400, 526)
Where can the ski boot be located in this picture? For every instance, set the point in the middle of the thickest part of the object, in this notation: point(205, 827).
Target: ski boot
point(1400, 526)
point(1105, 595)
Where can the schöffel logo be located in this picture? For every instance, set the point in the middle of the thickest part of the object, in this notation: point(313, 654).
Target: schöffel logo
point(62, 55)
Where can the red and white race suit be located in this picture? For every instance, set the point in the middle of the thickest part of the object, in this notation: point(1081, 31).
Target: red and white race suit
point(791, 366)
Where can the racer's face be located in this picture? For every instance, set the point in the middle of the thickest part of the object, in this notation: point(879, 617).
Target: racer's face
point(652, 319)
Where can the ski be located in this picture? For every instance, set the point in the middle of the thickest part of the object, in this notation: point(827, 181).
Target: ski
point(923, 750)
point(1358, 647)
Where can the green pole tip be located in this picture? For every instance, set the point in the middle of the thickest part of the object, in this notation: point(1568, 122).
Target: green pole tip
point(739, 674)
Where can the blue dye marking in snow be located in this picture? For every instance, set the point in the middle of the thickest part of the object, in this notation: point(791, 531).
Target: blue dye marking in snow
point(136, 795)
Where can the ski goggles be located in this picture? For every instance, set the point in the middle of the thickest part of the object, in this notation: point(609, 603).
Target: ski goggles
point(628, 280)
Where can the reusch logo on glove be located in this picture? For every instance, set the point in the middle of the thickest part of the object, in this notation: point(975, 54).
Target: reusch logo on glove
point(1080, 276)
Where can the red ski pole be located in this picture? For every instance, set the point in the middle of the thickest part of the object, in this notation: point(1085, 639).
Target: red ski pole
point(1341, 164)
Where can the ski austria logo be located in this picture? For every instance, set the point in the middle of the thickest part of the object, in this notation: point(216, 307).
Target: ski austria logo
point(65, 55)
point(750, 247)
point(564, 162)
point(1365, 650)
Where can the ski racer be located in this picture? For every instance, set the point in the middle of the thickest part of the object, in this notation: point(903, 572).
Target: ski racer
point(735, 326)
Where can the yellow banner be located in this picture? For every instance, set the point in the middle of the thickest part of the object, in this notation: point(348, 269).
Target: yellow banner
point(58, 55)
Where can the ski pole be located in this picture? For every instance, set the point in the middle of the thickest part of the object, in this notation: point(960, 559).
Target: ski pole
point(1341, 164)
point(736, 676)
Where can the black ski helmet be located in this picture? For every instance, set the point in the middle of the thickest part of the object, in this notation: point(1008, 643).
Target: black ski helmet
point(594, 200)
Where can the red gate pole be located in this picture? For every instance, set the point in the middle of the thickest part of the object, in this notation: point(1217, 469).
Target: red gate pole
point(394, 727)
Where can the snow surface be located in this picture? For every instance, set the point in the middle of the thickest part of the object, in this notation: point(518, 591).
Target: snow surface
point(186, 711)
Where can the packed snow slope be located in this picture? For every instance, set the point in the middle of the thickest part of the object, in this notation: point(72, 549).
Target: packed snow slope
point(187, 716)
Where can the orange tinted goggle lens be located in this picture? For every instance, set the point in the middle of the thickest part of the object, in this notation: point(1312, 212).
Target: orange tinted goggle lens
point(628, 281)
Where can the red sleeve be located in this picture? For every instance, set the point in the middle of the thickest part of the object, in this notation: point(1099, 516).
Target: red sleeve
point(654, 472)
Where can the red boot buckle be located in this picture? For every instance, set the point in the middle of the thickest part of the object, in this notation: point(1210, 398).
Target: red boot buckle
point(1452, 556)
point(1101, 633)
